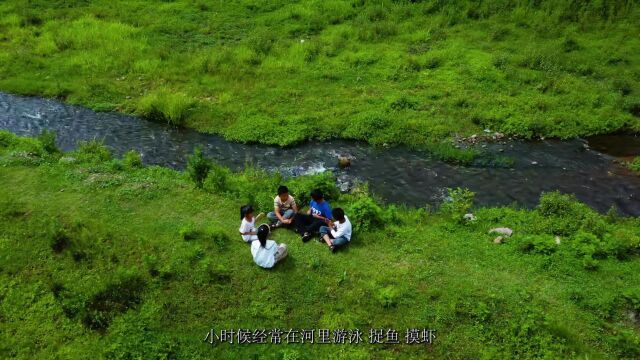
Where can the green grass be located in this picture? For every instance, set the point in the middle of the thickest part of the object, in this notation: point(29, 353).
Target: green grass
point(386, 72)
point(635, 164)
point(100, 257)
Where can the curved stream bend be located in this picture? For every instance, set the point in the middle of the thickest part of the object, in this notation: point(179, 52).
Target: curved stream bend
point(397, 175)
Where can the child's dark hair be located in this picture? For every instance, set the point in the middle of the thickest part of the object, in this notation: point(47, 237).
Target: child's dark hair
point(338, 214)
point(244, 210)
point(263, 232)
point(283, 190)
point(317, 195)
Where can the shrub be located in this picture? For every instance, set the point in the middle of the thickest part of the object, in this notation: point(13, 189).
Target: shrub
point(132, 159)
point(621, 244)
point(218, 179)
point(60, 240)
point(570, 44)
point(564, 215)
point(635, 164)
point(388, 296)
point(632, 297)
point(537, 244)
point(163, 106)
point(403, 103)
point(189, 232)
point(92, 151)
point(115, 298)
point(302, 186)
point(556, 204)
point(151, 263)
point(623, 86)
point(198, 167)
point(588, 245)
point(459, 201)
point(626, 344)
point(365, 214)
point(219, 237)
point(589, 263)
point(6, 138)
point(447, 152)
point(48, 140)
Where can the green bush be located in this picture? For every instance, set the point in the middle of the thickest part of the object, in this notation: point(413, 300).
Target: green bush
point(459, 201)
point(164, 106)
point(365, 214)
point(92, 151)
point(588, 246)
point(635, 164)
point(151, 263)
point(219, 237)
point(118, 296)
point(6, 138)
point(388, 296)
point(564, 215)
point(626, 344)
point(302, 186)
point(59, 240)
point(132, 159)
point(198, 167)
point(218, 180)
point(537, 244)
point(190, 232)
point(622, 244)
point(557, 204)
point(48, 140)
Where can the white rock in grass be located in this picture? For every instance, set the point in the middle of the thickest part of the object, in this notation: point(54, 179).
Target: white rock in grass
point(502, 231)
point(469, 217)
point(557, 239)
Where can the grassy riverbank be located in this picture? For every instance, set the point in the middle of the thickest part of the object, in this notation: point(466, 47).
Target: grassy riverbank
point(384, 72)
point(104, 257)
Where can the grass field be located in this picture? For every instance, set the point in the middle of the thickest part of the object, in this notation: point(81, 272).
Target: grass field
point(103, 257)
point(279, 72)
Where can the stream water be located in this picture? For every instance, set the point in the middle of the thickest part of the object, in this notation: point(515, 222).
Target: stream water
point(398, 175)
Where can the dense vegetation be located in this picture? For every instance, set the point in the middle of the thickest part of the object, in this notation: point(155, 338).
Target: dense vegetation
point(280, 72)
point(107, 257)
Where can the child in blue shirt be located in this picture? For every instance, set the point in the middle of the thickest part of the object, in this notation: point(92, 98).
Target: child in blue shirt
point(319, 214)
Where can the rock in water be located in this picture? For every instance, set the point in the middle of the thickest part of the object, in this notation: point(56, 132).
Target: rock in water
point(502, 231)
point(344, 161)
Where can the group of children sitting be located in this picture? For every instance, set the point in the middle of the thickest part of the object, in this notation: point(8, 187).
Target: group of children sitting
point(331, 226)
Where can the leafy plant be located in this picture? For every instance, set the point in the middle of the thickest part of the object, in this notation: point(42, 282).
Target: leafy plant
point(388, 296)
point(48, 140)
point(92, 151)
point(132, 159)
point(365, 214)
point(198, 167)
point(459, 201)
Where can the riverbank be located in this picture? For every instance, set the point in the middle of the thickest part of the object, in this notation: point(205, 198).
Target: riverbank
point(105, 257)
point(503, 173)
point(411, 73)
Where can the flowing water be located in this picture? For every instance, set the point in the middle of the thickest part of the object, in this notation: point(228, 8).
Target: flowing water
point(398, 175)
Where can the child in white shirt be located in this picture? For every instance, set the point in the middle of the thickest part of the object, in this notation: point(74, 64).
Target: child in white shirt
point(266, 253)
point(338, 233)
point(248, 224)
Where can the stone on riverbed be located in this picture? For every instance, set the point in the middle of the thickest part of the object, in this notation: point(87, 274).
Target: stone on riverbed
point(344, 161)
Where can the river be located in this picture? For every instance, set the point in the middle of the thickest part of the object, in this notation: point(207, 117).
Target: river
point(398, 175)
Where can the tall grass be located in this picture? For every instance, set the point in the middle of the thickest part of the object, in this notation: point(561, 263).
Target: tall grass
point(530, 68)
